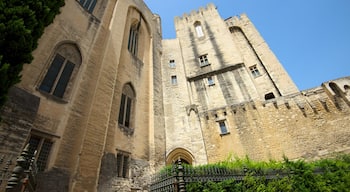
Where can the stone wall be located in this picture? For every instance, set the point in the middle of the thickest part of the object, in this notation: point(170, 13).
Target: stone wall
point(308, 125)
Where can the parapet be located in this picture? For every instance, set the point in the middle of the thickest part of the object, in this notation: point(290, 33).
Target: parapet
point(196, 14)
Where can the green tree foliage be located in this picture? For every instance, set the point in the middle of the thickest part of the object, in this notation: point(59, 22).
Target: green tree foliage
point(320, 176)
point(22, 23)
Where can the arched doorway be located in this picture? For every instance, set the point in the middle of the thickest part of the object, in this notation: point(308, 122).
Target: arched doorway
point(179, 153)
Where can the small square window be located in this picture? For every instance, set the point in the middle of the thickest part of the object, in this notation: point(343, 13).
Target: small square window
point(203, 60)
point(174, 80)
point(255, 71)
point(172, 63)
point(211, 81)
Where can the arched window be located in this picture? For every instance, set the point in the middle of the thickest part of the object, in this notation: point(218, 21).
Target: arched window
point(89, 5)
point(199, 29)
point(133, 38)
point(64, 64)
point(126, 106)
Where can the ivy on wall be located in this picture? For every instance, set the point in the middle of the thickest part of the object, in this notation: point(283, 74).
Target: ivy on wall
point(21, 25)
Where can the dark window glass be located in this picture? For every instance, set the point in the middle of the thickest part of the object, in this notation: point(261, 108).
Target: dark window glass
point(89, 5)
point(133, 39)
point(127, 115)
point(64, 79)
point(223, 127)
point(121, 110)
point(125, 166)
point(51, 75)
point(119, 164)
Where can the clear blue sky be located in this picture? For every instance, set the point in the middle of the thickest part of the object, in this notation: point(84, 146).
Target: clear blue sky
point(311, 38)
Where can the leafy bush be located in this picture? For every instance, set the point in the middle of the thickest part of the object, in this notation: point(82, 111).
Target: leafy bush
point(323, 175)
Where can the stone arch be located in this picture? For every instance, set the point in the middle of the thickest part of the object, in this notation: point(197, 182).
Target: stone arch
point(180, 153)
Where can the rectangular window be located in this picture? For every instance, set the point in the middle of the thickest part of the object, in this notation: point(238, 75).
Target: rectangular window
point(123, 165)
point(255, 71)
point(211, 81)
point(42, 146)
point(223, 127)
point(203, 60)
point(172, 63)
point(174, 80)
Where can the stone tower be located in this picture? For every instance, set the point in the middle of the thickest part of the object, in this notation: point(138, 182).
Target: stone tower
point(226, 93)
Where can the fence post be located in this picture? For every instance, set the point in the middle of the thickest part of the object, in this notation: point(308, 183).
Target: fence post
point(181, 180)
point(14, 182)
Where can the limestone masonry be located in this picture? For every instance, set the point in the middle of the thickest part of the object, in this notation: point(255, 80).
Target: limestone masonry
point(107, 102)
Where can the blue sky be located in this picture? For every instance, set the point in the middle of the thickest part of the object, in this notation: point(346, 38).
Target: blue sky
point(311, 38)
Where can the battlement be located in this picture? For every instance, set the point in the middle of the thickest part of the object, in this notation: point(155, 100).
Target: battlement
point(238, 20)
point(331, 97)
point(196, 14)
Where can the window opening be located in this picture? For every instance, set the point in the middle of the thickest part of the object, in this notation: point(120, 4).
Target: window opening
point(42, 146)
point(203, 60)
point(255, 71)
point(211, 81)
point(223, 127)
point(57, 77)
point(126, 106)
point(134, 37)
point(269, 96)
point(199, 29)
point(122, 165)
point(172, 63)
point(174, 80)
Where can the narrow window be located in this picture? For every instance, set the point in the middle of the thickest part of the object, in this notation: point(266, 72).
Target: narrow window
point(57, 77)
point(211, 81)
point(172, 63)
point(199, 29)
point(203, 60)
point(254, 70)
point(42, 146)
point(133, 38)
point(122, 165)
point(223, 127)
point(89, 5)
point(126, 106)
point(174, 80)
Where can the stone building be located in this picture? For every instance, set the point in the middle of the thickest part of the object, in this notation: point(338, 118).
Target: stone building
point(107, 102)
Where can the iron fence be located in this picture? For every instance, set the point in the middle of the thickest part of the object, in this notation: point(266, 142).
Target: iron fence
point(176, 178)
